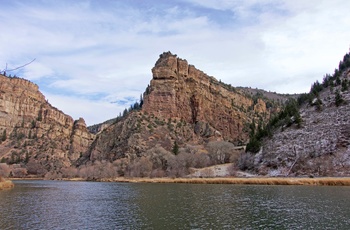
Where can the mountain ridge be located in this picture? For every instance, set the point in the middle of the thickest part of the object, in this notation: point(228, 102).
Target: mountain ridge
point(185, 119)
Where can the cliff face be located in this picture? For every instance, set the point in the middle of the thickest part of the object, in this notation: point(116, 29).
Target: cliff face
point(181, 91)
point(183, 105)
point(35, 133)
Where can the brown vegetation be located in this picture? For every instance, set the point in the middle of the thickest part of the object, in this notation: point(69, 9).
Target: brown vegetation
point(329, 181)
point(155, 162)
point(5, 184)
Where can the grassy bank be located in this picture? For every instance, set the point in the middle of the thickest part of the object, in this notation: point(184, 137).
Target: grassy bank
point(5, 184)
point(324, 181)
point(329, 181)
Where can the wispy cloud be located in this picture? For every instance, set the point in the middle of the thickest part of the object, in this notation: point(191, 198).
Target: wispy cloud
point(93, 56)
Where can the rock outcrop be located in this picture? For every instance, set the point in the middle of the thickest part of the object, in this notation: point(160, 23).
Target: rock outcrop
point(183, 105)
point(180, 91)
point(182, 108)
point(35, 133)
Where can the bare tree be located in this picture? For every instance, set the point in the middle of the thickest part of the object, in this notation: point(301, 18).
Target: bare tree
point(140, 167)
point(221, 151)
point(16, 68)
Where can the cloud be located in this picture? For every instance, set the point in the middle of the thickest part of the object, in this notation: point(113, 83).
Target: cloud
point(287, 41)
point(92, 111)
point(93, 54)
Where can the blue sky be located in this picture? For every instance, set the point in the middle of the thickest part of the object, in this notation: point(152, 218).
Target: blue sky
point(93, 58)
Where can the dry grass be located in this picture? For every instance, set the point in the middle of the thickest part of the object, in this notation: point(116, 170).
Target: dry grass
point(5, 184)
point(329, 181)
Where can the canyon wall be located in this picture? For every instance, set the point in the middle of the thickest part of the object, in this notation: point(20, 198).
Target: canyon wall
point(179, 90)
point(34, 132)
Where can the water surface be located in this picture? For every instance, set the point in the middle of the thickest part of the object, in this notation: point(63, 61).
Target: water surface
point(92, 205)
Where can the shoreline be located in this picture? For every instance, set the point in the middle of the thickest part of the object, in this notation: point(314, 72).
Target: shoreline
point(319, 181)
point(322, 181)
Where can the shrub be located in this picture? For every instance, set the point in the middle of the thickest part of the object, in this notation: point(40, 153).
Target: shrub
point(338, 99)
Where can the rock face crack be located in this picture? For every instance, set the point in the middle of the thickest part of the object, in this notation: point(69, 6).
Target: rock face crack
point(194, 108)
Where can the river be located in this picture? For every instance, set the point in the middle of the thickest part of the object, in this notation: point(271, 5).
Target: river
point(97, 205)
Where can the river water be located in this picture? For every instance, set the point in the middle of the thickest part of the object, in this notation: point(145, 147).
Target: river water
point(97, 205)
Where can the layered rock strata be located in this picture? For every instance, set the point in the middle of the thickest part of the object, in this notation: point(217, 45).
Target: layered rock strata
point(183, 105)
point(34, 131)
point(179, 90)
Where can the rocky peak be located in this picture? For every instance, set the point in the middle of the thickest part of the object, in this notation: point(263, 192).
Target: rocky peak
point(80, 123)
point(179, 90)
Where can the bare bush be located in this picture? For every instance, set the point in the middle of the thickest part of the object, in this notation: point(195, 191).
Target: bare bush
point(35, 167)
point(246, 161)
point(70, 172)
point(53, 175)
point(175, 168)
point(159, 157)
point(140, 167)
point(98, 170)
point(179, 166)
point(220, 151)
point(120, 166)
point(4, 170)
point(158, 173)
point(19, 172)
point(201, 160)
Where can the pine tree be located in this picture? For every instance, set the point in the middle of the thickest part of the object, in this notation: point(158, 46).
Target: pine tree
point(141, 101)
point(175, 149)
point(338, 99)
point(3, 138)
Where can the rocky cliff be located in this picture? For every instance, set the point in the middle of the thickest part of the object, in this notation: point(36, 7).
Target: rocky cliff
point(183, 105)
point(180, 91)
point(184, 111)
point(34, 133)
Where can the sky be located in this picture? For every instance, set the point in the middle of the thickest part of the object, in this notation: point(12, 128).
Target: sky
point(93, 58)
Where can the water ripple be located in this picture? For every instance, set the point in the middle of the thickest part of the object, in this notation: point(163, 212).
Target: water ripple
point(88, 205)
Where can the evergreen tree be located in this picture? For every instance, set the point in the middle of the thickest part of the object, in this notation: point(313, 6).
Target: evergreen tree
point(344, 85)
point(318, 104)
point(337, 81)
point(253, 145)
point(125, 112)
point(3, 138)
point(175, 149)
point(141, 101)
point(338, 98)
point(26, 160)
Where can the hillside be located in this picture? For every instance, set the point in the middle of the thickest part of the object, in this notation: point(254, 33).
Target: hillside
point(320, 146)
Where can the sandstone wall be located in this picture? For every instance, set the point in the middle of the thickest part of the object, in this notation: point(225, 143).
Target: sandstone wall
point(36, 130)
point(179, 90)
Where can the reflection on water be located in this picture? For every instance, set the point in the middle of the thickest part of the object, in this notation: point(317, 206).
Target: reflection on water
point(89, 205)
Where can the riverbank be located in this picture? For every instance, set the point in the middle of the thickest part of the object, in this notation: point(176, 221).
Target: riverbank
point(325, 181)
point(320, 181)
point(5, 184)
